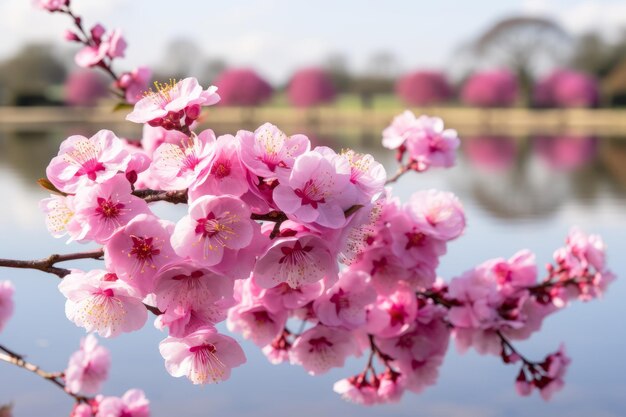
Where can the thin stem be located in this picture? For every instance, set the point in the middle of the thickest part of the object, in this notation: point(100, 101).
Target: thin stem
point(403, 169)
point(55, 378)
point(509, 345)
point(48, 264)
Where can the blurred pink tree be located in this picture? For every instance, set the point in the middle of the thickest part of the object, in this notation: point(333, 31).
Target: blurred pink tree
point(242, 87)
point(311, 87)
point(422, 88)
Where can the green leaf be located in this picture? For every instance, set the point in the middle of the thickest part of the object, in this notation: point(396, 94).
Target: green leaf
point(47, 185)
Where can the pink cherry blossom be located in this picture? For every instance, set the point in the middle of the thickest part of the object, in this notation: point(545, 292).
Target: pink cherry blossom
point(296, 261)
point(343, 304)
point(430, 145)
point(402, 126)
point(99, 302)
point(82, 161)
point(88, 367)
point(104, 208)
point(132, 404)
point(213, 224)
point(284, 297)
point(182, 320)
point(60, 220)
point(188, 284)
point(82, 410)
point(204, 356)
point(438, 213)
point(6, 302)
point(177, 166)
point(134, 83)
point(137, 251)
point(116, 44)
point(226, 174)
point(357, 390)
point(90, 56)
point(317, 191)
point(270, 153)
point(392, 314)
point(257, 323)
point(555, 365)
point(366, 174)
point(51, 5)
point(321, 348)
point(170, 99)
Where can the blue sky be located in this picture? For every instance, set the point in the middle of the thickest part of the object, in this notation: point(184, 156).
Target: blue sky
point(278, 36)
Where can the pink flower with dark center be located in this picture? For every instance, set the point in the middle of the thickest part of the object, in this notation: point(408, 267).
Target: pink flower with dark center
point(439, 214)
point(88, 367)
point(83, 161)
point(183, 320)
point(412, 241)
point(257, 323)
point(170, 99)
point(357, 390)
point(430, 145)
point(318, 190)
point(418, 352)
point(103, 208)
point(178, 166)
point(132, 404)
point(204, 356)
point(343, 304)
point(270, 153)
point(99, 302)
point(189, 285)
point(392, 314)
point(137, 251)
point(321, 348)
point(6, 302)
point(116, 44)
point(213, 224)
point(295, 261)
point(366, 174)
point(226, 174)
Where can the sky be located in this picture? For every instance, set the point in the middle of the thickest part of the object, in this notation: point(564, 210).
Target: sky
point(278, 36)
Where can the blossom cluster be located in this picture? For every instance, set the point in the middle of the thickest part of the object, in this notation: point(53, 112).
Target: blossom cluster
point(86, 371)
point(278, 231)
point(278, 235)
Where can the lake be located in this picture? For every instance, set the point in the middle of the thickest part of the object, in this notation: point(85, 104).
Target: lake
point(517, 192)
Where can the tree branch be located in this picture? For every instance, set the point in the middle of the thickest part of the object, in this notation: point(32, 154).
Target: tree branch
point(56, 378)
point(150, 196)
point(48, 264)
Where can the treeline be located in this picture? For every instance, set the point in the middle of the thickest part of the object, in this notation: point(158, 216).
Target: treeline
point(520, 61)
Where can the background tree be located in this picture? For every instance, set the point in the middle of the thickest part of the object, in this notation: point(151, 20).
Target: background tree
point(526, 45)
point(28, 75)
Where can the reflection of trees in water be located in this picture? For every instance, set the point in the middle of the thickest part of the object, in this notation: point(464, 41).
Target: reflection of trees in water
point(532, 178)
point(28, 153)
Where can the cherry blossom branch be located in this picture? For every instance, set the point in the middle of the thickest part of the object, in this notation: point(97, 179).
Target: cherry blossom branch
point(403, 169)
point(55, 378)
point(105, 64)
point(48, 264)
point(174, 197)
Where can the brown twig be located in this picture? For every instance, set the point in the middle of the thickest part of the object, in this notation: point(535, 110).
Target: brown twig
point(56, 378)
point(48, 264)
point(150, 196)
point(403, 169)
